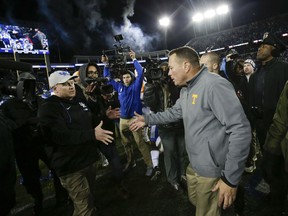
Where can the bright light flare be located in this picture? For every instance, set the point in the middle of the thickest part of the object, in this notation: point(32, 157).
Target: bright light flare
point(223, 9)
point(198, 17)
point(165, 21)
point(209, 13)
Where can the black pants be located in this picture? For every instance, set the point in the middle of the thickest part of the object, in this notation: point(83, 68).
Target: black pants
point(112, 155)
point(28, 164)
point(274, 174)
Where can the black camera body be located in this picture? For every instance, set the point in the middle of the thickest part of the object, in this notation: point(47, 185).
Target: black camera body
point(153, 70)
point(97, 81)
point(20, 85)
point(117, 56)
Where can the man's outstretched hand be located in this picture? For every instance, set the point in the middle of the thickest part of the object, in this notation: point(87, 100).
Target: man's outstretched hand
point(102, 135)
point(137, 123)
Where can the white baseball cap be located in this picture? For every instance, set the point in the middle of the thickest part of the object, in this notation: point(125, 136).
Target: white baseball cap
point(59, 77)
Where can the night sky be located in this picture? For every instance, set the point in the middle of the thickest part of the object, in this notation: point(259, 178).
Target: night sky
point(86, 27)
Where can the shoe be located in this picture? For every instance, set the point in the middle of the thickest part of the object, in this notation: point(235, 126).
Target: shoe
point(128, 166)
point(255, 158)
point(105, 163)
point(250, 169)
point(184, 178)
point(175, 186)
point(149, 171)
point(133, 164)
point(156, 173)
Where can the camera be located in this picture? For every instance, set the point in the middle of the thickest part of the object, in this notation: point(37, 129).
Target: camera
point(117, 56)
point(15, 83)
point(153, 70)
point(232, 53)
point(97, 81)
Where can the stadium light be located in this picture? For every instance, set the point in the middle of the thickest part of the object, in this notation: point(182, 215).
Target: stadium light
point(198, 17)
point(209, 14)
point(164, 21)
point(223, 9)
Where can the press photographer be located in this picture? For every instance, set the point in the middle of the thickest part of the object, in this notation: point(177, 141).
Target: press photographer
point(104, 105)
point(21, 108)
point(90, 80)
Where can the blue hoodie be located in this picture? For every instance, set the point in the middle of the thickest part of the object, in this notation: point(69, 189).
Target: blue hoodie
point(129, 96)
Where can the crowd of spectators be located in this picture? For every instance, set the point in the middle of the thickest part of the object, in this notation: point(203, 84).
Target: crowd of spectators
point(243, 34)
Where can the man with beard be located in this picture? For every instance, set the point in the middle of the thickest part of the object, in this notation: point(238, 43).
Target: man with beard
point(265, 86)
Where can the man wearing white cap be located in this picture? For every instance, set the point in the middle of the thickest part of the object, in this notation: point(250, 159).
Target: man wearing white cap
point(71, 136)
point(248, 67)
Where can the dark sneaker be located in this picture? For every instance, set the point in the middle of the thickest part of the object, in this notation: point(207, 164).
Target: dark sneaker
point(128, 166)
point(250, 169)
point(149, 171)
point(175, 186)
point(156, 173)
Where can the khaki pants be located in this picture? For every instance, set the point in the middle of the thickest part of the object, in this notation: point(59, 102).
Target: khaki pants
point(200, 195)
point(80, 186)
point(138, 137)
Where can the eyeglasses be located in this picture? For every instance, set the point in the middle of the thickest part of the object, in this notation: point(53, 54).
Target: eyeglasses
point(92, 72)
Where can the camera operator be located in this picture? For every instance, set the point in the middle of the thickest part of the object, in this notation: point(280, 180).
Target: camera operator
point(160, 93)
point(105, 105)
point(7, 166)
point(28, 143)
point(129, 96)
point(90, 81)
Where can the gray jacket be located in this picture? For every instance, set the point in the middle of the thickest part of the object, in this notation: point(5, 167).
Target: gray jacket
point(217, 132)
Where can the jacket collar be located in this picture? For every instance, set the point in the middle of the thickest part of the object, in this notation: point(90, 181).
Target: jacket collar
point(197, 76)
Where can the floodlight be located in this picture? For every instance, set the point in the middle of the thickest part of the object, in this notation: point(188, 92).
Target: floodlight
point(209, 13)
point(198, 17)
point(165, 21)
point(223, 9)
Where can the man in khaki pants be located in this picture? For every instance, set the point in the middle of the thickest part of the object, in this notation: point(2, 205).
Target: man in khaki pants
point(129, 97)
point(217, 132)
point(72, 138)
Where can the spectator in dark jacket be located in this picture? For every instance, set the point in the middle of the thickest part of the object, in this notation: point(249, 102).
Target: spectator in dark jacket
point(265, 86)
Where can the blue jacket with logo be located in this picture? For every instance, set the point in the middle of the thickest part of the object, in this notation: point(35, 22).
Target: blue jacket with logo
point(129, 96)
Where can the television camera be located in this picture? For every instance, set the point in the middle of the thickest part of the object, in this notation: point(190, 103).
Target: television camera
point(97, 84)
point(97, 81)
point(14, 83)
point(118, 55)
point(153, 70)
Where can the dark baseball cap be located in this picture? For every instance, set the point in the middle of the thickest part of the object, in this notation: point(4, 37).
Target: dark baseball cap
point(271, 39)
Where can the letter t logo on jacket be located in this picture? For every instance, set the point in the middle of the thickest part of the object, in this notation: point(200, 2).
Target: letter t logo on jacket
point(194, 97)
